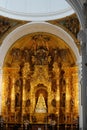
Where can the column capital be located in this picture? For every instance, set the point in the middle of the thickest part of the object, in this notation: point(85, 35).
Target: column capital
point(84, 12)
point(82, 35)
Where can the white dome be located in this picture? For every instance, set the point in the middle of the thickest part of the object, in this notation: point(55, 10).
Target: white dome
point(35, 10)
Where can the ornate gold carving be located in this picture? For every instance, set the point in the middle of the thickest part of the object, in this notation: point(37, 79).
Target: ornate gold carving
point(70, 23)
point(46, 68)
point(6, 25)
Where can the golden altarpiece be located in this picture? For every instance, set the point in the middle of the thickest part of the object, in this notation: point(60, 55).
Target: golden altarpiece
point(40, 81)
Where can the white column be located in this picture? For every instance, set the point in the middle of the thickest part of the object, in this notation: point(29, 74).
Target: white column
point(83, 115)
point(80, 105)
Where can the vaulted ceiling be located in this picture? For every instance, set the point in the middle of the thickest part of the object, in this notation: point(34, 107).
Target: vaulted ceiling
point(32, 10)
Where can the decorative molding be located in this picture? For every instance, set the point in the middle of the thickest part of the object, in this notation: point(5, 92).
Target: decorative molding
point(70, 24)
point(36, 16)
point(37, 27)
point(78, 8)
point(7, 25)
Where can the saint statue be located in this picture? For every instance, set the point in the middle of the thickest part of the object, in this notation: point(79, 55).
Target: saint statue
point(41, 105)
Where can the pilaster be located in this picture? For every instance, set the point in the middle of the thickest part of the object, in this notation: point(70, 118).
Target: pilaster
point(83, 38)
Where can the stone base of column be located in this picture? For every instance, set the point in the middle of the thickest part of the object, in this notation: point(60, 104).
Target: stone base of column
point(80, 128)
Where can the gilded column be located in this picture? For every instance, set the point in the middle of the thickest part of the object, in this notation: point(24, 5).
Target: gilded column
point(58, 94)
point(25, 72)
point(68, 94)
point(13, 95)
point(75, 92)
point(23, 98)
point(58, 100)
point(5, 92)
point(13, 76)
point(0, 91)
point(49, 98)
point(57, 72)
